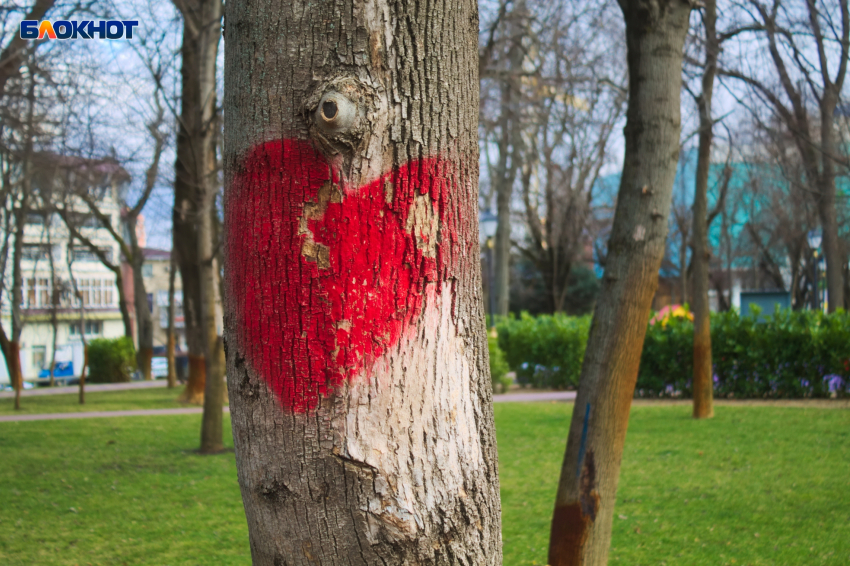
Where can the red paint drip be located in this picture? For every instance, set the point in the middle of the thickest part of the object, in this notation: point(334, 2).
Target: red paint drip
point(310, 319)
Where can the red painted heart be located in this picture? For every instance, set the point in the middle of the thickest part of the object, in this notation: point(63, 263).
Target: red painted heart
point(326, 279)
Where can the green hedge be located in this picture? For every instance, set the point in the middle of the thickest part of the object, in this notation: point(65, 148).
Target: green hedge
point(790, 354)
point(111, 360)
point(545, 351)
point(498, 367)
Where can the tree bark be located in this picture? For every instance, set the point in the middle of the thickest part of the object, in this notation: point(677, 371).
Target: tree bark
point(510, 149)
point(172, 339)
point(835, 259)
point(584, 506)
point(82, 393)
point(144, 324)
point(194, 169)
point(356, 348)
point(212, 438)
point(703, 384)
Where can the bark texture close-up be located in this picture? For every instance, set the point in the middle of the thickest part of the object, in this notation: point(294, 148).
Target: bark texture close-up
point(357, 359)
point(584, 506)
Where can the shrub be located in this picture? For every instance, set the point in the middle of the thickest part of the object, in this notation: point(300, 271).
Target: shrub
point(545, 351)
point(111, 360)
point(790, 354)
point(498, 367)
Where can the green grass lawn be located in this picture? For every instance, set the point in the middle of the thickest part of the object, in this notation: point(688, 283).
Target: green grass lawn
point(153, 398)
point(757, 486)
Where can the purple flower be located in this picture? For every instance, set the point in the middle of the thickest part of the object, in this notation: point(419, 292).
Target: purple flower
point(834, 382)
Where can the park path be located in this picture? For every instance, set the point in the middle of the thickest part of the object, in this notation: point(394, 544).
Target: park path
point(506, 398)
point(531, 396)
point(38, 391)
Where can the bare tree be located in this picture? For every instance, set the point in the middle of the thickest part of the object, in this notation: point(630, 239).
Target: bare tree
point(78, 296)
point(576, 106)
point(81, 193)
point(502, 61)
point(584, 506)
point(170, 346)
point(18, 191)
point(15, 48)
point(792, 36)
point(195, 189)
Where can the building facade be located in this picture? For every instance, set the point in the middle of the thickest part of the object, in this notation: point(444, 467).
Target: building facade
point(67, 289)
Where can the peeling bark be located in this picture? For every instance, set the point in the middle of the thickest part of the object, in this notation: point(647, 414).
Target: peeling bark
point(584, 505)
point(356, 348)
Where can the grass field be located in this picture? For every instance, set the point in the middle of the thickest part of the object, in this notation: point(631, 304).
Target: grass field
point(757, 486)
point(153, 398)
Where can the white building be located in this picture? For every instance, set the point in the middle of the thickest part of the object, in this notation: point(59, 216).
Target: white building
point(46, 234)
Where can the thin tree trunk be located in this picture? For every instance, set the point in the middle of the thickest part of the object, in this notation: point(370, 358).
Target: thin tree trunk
point(703, 384)
point(54, 300)
point(193, 166)
point(13, 351)
point(584, 506)
point(82, 320)
point(144, 324)
point(196, 200)
point(82, 394)
point(826, 205)
point(13, 363)
point(511, 148)
point(171, 345)
point(357, 357)
point(212, 439)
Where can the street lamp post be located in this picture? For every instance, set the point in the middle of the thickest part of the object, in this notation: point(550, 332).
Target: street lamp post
point(814, 237)
point(487, 224)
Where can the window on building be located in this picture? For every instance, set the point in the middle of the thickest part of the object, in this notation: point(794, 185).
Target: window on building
point(147, 270)
point(150, 303)
point(36, 218)
point(93, 327)
point(82, 220)
point(39, 357)
point(84, 253)
point(95, 292)
point(35, 252)
point(36, 292)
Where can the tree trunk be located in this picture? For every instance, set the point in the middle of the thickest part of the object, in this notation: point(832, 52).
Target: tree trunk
point(357, 357)
point(581, 525)
point(144, 324)
point(12, 352)
point(123, 302)
point(510, 155)
point(83, 372)
point(54, 301)
point(193, 169)
point(212, 439)
point(171, 345)
point(703, 384)
point(201, 36)
point(13, 363)
point(826, 203)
